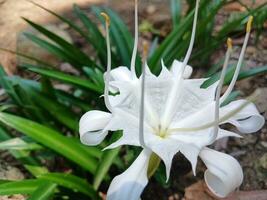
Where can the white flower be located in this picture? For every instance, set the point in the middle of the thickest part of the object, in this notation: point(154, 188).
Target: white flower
point(167, 114)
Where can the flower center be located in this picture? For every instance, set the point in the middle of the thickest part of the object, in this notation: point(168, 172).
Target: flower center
point(160, 131)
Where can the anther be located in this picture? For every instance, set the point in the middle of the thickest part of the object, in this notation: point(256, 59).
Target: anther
point(249, 23)
point(106, 17)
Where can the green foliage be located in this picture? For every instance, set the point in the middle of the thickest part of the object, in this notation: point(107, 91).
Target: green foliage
point(39, 122)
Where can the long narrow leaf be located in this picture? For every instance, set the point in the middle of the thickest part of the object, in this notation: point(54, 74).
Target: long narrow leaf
point(19, 187)
point(72, 182)
point(63, 44)
point(30, 163)
point(65, 77)
point(51, 139)
point(44, 191)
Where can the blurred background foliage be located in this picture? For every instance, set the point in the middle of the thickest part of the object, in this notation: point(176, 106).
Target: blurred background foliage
point(39, 122)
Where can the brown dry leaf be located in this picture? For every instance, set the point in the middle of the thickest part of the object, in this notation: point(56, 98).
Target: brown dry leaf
point(197, 191)
point(11, 22)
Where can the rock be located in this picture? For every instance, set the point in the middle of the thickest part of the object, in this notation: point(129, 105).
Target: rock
point(263, 161)
point(13, 197)
point(8, 172)
point(261, 99)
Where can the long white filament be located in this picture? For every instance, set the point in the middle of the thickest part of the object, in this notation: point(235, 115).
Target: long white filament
point(192, 40)
point(107, 77)
point(133, 60)
point(172, 98)
point(239, 63)
point(219, 89)
point(142, 103)
point(222, 119)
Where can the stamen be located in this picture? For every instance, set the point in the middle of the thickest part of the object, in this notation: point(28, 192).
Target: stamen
point(239, 63)
point(219, 89)
point(172, 97)
point(142, 103)
point(224, 118)
point(133, 60)
point(107, 78)
point(192, 40)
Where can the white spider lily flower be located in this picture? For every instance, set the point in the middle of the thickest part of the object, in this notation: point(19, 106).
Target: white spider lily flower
point(167, 114)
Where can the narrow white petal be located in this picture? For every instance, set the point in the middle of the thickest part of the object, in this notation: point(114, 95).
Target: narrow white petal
point(123, 120)
point(91, 127)
point(224, 174)
point(190, 151)
point(131, 183)
point(165, 148)
point(248, 120)
point(120, 74)
point(176, 68)
point(224, 133)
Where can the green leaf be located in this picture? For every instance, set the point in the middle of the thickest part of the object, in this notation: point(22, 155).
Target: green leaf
point(58, 111)
point(51, 139)
point(19, 187)
point(233, 95)
point(18, 144)
point(8, 86)
point(44, 191)
point(55, 50)
point(72, 182)
point(105, 163)
point(176, 11)
point(94, 37)
point(41, 62)
point(65, 77)
point(230, 72)
point(32, 165)
point(63, 44)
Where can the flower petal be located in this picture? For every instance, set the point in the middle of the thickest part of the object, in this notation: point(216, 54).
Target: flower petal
point(120, 74)
point(248, 120)
point(91, 127)
point(177, 66)
point(224, 133)
point(129, 123)
point(130, 184)
point(224, 174)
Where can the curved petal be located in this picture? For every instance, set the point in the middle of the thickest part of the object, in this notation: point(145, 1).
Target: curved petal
point(120, 74)
point(224, 133)
point(165, 148)
point(177, 66)
point(130, 184)
point(224, 174)
point(247, 120)
point(91, 127)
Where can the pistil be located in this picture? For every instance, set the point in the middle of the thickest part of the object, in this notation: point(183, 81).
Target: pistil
point(107, 78)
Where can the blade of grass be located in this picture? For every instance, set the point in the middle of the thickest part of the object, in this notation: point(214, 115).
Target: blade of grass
point(30, 163)
point(72, 182)
point(176, 11)
point(19, 187)
point(66, 46)
point(18, 144)
point(64, 77)
point(44, 191)
point(51, 139)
